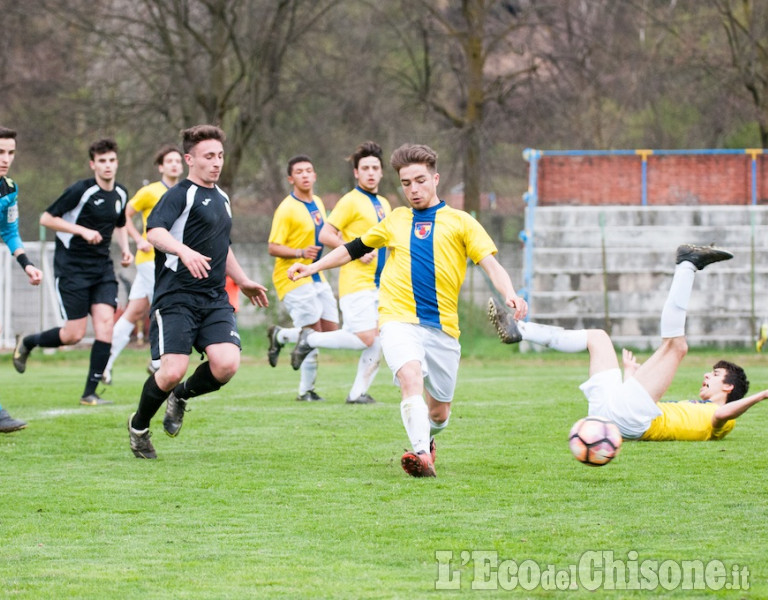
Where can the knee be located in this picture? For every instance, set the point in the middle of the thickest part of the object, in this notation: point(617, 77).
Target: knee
point(677, 345)
point(71, 335)
point(440, 413)
point(224, 371)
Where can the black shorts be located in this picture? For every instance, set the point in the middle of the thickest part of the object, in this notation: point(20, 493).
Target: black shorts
point(178, 328)
point(77, 293)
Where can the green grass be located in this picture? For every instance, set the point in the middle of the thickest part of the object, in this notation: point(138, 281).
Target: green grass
point(261, 496)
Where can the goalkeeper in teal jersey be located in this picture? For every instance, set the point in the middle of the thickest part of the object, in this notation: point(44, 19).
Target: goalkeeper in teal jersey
point(9, 231)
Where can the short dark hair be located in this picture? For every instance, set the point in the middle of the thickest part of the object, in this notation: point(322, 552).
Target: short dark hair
point(295, 160)
point(365, 150)
point(199, 133)
point(413, 154)
point(165, 151)
point(7, 134)
point(735, 376)
point(102, 147)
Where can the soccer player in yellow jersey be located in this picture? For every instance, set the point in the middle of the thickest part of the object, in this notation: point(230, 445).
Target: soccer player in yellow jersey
point(170, 164)
point(429, 245)
point(355, 213)
point(295, 232)
point(634, 402)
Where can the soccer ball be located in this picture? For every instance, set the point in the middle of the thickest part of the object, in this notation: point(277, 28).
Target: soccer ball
point(595, 441)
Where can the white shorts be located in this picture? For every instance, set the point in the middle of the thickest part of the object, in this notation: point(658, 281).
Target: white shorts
point(143, 285)
point(311, 302)
point(626, 403)
point(438, 353)
point(360, 310)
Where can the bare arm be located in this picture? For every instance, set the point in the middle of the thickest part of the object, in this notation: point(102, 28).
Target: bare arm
point(330, 236)
point(281, 251)
point(734, 409)
point(121, 235)
point(335, 258)
point(35, 275)
point(58, 224)
point(256, 292)
point(198, 264)
point(501, 281)
point(130, 228)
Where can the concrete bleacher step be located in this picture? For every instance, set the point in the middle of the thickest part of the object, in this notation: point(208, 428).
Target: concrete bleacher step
point(584, 257)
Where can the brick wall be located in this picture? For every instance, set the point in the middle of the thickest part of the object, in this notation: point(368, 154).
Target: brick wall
point(693, 179)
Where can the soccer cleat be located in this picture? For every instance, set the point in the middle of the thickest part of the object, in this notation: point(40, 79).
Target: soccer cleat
point(274, 346)
point(418, 465)
point(433, 450)
point(301, 349)
point(174, 415)
point(309, 396)
point(504, 322)
point(93, 400)
point(763, 337)
point(8, 423)
point(141, 445)
point(701, 256)
point(20, 355)
point(361, 399)
point(106, 377)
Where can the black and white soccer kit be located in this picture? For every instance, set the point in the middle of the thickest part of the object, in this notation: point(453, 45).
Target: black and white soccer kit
point(187, 312)
point(84, 272)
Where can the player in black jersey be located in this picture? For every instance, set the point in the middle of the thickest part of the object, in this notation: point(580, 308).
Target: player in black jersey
point(190, 229)
point(85, 217)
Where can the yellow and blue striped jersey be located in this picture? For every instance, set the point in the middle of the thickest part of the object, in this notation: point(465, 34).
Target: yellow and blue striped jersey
point(427, 263)
point(296, 224)
point(686, 421)
point(143, 202)
point(354, 214)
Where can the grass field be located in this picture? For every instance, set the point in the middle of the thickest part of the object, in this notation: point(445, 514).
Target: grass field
point(264, 497)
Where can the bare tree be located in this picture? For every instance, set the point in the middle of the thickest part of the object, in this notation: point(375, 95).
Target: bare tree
point(470, 57)
point(218, 61)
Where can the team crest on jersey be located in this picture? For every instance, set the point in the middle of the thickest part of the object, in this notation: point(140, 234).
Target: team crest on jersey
point(317, 217)
point(380, 212)
point(422, 230)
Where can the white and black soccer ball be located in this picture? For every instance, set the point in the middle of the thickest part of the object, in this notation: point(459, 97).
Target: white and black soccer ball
point(594, 441)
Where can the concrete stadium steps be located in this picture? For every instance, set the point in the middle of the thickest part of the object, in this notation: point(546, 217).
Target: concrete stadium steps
point(570, 282)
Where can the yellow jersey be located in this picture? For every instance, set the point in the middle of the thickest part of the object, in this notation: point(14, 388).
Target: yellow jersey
point(427, 263)
point(687, 422)
point(296, 224)
point(354, 214)
point(143, 203)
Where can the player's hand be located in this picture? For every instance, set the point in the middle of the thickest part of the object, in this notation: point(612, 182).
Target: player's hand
point(518, 305)
point(143, 245)
point(197, 264)
point(368, 258)
point(311, 252)
point(256, 293)
point(126, 258)
point(298, 271)
point(91, 236)
point(630, 363)
point(35, 275)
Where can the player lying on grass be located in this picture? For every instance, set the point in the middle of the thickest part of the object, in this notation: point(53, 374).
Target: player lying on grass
point(634, 402)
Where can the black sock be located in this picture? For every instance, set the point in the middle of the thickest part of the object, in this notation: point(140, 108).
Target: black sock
point(99, 359)
point(44, 339)
point(152, 398)
point(200, 382)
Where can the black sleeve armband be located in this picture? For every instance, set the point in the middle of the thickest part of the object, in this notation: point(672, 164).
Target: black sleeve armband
point(24, 261)
point(356, 248)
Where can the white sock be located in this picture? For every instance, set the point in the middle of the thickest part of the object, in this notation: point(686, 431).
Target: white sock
point(415, 416)
point(557, 338)
point(367, 367)
point(121, 335)
point(674, 312)
point(337, 340)
point(435, 428)
point(308, 372)
point(288, 335)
